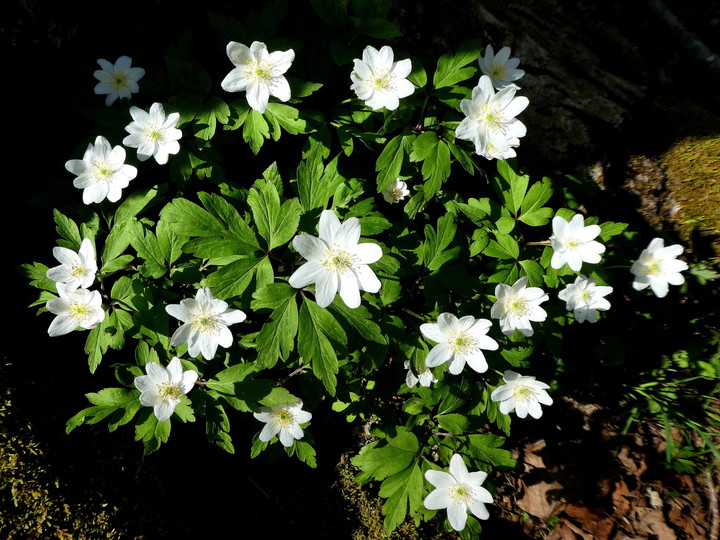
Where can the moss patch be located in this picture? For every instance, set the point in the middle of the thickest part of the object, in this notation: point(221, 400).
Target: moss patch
point(692, 168)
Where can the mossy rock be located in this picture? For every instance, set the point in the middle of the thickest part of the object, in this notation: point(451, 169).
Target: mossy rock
point(692, 170)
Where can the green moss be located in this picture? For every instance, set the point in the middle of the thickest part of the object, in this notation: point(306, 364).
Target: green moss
point(367, 508)
point(692, 168)
point(31, 496)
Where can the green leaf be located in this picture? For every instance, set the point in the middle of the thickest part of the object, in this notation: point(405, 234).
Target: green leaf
point(136, 202)
point(456, 424)
point(435, 155)
point(380, 461)
point(68, 229)
point(272, 296)
point(434, 255)
point(255, 130)
point(360, 319)
point(315, 183)
point(418, 76)
point(506, 247)
point(451, 67)
point(188, 219)
point(534, 272)
point(610, 229)
point(239, 388)
point(148, 249)
point(285, 116)
point(514, 193)
point(209, 114)
point(277, 336)
point(122, 403)
point(403, 491)
point(390, 161)
point(232, 279)
point(276, 224)
point(314, 346)
point(152, 433)
point(234, 225)
point(97, 344)
point(487, 448)
point(538, 194)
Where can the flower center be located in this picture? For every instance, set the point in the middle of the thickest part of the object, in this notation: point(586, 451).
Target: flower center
point(205, 323)
point(498, 71)
point(461, 343)
point(586, 295)
point(572, 243)
point(381, 81)
point(101, 170)
point(396, 193)
point(120, 81)
point(79, 311)
point(78, 270)
point(338, 260)
point(523, 392)
point(461, 493)
point(169, 390)
point(259, 71)
point(517, 305)
point(653, 266)
point(153, 134)
point(491, 117)
point(283, 418)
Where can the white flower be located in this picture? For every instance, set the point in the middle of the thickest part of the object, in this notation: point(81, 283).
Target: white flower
point(153, 134)
point(657, 267)
point(458, 491)
point(284, 421)
point(102, 172)
point(501, 69)
point(574, 243)
point(459, 341)
point(162, 387)
point(584, 298)
point(74, 308)
point(522, 393)
point(206, 320)
point(494, 153)
point(76, 270)
point(336, 262)
point(490, 119)
point(516, 306)
point(119, 80)
point(395, 192)
point(258, 72)
point(379, 81)
point(425, 378)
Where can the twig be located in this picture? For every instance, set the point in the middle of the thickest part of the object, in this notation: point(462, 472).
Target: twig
point(713, 506)
point(686, 40)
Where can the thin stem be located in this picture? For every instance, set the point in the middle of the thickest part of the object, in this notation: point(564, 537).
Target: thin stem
point(301, 369)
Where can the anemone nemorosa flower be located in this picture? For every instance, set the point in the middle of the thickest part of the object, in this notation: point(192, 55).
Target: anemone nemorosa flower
point(258, 72)
point(657, 267)
point(459, 341)
point(522, 393)
point(379, 81)
point(205, 323)
point(102, 172)
point(76, 269)
point(162, 387)
point(459, 491)
point(117, 80)
point(336, 263)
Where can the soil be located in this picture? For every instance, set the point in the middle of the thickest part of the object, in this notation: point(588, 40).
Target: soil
point(615, 84)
